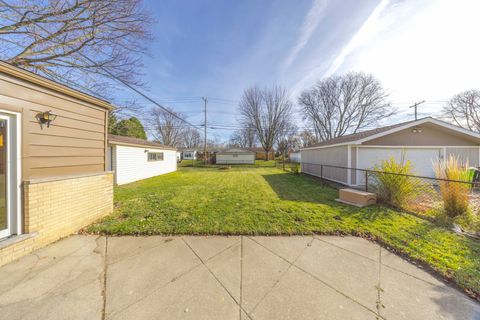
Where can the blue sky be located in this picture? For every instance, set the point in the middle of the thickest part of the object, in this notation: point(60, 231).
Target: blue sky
point(217, 48)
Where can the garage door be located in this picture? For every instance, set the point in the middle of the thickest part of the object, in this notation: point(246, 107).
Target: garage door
point(421, 158)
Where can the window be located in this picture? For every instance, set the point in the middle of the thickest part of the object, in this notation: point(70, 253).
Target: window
point(155, 156)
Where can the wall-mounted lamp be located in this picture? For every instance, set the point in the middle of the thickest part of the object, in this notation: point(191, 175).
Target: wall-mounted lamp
point(46, 117)
point(417, 130)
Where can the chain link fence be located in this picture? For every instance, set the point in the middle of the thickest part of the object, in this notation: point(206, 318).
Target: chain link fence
point(426, 196)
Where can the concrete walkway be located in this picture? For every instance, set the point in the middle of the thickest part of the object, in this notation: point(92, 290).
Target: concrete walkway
point(87, 277)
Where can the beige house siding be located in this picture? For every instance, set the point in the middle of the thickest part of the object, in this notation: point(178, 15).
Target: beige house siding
point(465, 154)
point(64, 186)
point(74, 143)
point(335, 156)
point(431, 135)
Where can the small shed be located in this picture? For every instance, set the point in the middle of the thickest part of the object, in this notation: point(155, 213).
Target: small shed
point(421, 141)
point(135, 159)
point(235, 156)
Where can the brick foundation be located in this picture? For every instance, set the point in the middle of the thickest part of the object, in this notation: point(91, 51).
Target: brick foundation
point(55, 208)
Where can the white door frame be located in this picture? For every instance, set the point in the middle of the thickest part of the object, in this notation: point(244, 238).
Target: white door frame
point(13, 174)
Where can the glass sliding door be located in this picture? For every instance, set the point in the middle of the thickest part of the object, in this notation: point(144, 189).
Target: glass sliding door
point(5, 215)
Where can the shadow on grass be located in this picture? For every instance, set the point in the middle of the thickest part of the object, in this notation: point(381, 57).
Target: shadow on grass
point(293, 187)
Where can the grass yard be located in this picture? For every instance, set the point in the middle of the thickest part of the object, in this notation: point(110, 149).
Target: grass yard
point(201, 163)
point(269, 202)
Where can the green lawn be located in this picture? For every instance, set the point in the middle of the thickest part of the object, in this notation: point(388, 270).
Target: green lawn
point(269, 202)
point(200, 163)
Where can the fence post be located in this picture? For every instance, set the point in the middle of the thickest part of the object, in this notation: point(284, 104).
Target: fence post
point(283, 164)
point(366, 180)
point(321, 171)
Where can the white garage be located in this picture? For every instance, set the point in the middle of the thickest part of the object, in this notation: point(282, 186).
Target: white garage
point(421, 141)
point(235, 156)
point(135, 159)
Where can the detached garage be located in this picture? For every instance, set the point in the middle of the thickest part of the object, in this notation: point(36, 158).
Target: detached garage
point(235, 156)
point(421, 141)
point(135, 159)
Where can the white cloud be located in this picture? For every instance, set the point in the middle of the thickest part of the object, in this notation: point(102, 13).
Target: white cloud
point(418, 50)
point(430, 52)
point(312, 20)
point(368, 30)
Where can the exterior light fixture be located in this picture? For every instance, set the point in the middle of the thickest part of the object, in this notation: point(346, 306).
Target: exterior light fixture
point(46, 117)
point(417, 130)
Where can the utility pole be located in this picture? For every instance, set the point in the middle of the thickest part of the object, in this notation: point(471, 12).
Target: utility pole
point(415, 105)
point(205, 100)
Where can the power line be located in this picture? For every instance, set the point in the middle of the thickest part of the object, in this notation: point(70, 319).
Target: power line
point(111, 74)
point(415, 105)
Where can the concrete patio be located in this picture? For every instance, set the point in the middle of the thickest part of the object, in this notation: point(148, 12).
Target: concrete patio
point(321, 277)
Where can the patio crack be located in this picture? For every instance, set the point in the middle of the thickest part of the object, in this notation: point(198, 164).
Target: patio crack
point(218, 280)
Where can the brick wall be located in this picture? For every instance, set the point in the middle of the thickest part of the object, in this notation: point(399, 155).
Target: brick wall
point(55, 208)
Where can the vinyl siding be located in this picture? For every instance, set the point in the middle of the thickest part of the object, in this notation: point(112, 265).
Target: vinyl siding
point(240, 159)
point(75, 142)
point(465, 154)
point(131, 163)
point(335, 156)
point(431, 135)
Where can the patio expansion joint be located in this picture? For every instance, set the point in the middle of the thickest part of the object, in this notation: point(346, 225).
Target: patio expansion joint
point(241, 278)
point(379, 288)
point(324, 282)
point(215, 277)
point(290, 264)
point(175, 278)
point(347, 250)
point(104, 287)
point(390, 267)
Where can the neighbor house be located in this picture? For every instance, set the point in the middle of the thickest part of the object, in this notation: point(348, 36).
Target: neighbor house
point(422, 141)
point(235, 156)
point(53, 171)
point(133, 159)
point(188, 154)
point(260, 154)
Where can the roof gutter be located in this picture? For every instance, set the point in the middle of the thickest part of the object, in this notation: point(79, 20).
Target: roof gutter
point(146, 146)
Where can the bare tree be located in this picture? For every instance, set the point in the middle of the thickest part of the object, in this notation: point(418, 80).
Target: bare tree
point(168, 128)
point(244, 138)
point(345, 104)
point(307, 138)
point(464, 110)
point(191, 138)
point(268, 111)
point(289, 141)
point(85, 42)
